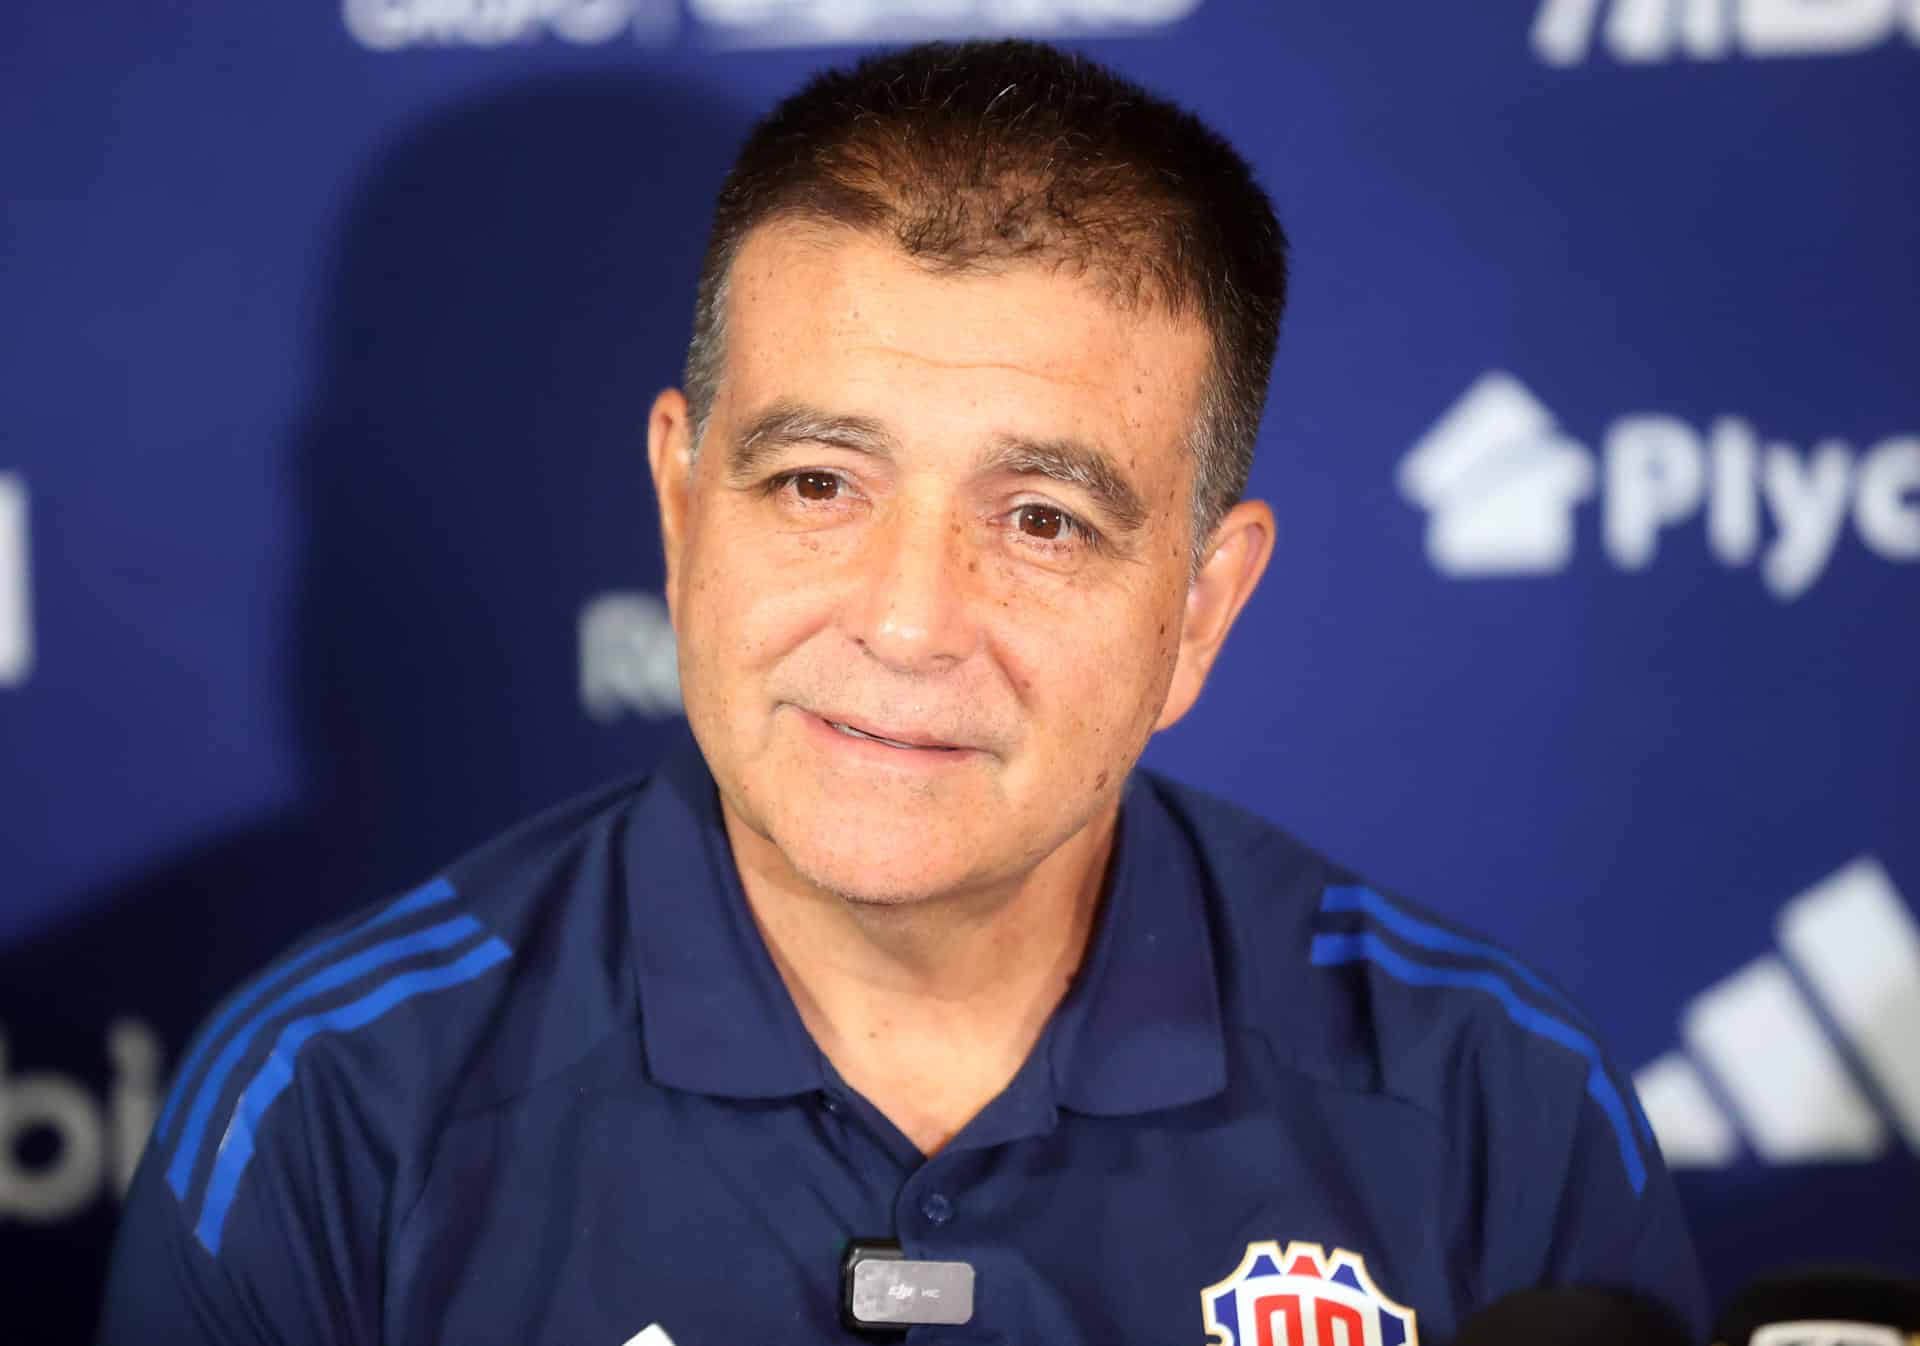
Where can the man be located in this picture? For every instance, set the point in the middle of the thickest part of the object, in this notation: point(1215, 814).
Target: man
point(898, 975)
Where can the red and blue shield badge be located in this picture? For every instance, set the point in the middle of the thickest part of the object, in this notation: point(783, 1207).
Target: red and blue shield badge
point(1301, 1296)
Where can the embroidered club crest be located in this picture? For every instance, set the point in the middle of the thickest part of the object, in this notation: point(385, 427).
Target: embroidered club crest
point(1302, 1296)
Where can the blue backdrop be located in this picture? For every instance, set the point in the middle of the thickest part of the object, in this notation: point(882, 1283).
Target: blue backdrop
point(326, 545)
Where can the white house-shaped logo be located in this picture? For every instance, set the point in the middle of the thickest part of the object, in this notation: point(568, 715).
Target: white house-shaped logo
point(1499, 483)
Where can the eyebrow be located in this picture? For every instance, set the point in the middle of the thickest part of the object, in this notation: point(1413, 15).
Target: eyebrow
point(1073, 463)
point(787, 423)
point(1070, 462)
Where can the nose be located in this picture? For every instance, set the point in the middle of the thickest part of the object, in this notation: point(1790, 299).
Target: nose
point(912, 610)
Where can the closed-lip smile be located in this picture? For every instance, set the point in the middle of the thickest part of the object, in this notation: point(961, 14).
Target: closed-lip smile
point(907, 739)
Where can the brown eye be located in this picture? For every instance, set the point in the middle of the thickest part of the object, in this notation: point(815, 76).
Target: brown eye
point(816, 485)
point(1043, 522)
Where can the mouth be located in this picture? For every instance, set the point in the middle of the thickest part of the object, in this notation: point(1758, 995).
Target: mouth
point(870, 736)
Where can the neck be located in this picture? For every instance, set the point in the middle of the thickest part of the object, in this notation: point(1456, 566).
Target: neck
point(930, 1006)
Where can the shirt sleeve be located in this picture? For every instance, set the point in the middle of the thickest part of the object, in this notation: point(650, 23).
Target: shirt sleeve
point(1606, 1235)
point(292, 1259)
point(163, 1289)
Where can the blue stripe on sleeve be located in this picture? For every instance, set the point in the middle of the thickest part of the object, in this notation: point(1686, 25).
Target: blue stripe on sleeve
point(1430, 936)
point(186, 1153)
point(438, 890)
point(276, 1072)
point(1329, 950)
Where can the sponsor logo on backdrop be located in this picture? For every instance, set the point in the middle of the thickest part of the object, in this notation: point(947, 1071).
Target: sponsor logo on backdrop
point(392, 25)
point(60, 1145)
point(798, 23)
point(16, 587)
point(1807, 1054)
point(651, 1335)
point(1567, 32)
point(629, 664)
point(1502, 483)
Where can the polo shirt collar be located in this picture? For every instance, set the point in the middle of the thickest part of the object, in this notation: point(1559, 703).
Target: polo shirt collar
point(1141, 1027)
point(1139, 1030)
point(715, 1016)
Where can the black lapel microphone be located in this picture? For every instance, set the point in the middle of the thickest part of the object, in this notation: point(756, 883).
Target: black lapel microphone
point(1575, 1316)
point(1824, 1306)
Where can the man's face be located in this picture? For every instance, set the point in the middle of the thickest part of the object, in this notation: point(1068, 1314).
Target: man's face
point(929, 568)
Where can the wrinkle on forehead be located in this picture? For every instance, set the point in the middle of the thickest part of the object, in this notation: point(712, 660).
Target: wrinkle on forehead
point(1011, 367)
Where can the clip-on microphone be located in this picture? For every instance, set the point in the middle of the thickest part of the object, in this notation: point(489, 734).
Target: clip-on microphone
point(883, 1292)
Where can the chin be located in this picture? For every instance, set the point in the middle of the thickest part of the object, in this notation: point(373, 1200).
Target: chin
point(879, 877)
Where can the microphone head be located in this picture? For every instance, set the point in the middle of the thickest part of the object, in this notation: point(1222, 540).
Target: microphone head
point(1575, 1316)
point(1816, 1306)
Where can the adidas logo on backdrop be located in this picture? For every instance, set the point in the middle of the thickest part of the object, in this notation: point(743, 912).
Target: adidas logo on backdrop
point(1501, 483)
point(1809, 1053)
point(1566, 32)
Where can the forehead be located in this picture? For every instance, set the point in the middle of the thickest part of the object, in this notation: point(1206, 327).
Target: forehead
point(836, 316)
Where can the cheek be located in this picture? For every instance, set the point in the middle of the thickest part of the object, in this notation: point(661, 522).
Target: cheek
point(1094, 668)
point(748, 598)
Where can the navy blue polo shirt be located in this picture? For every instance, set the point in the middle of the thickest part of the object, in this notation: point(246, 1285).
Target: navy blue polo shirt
point(560, 1094)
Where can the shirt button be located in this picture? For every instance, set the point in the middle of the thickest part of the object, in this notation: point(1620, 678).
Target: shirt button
point(830, 1103)
point(936, 1208)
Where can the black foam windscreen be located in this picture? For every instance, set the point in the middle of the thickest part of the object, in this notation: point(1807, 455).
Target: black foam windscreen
point(1575, 1316)
point(1834, 1295)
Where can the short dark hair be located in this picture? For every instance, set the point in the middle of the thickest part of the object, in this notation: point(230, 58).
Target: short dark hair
point(983, 154)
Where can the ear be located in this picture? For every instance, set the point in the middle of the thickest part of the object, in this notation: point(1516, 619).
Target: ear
point(670, 459)
point(1241, 546)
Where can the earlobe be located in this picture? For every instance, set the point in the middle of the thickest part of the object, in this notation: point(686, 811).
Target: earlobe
point(670, 461)
point(1242, 545)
